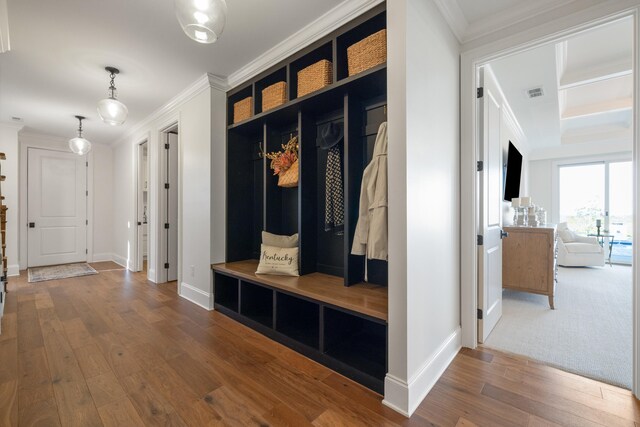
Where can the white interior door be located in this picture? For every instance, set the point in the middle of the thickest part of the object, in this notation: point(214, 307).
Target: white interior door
point(490, 221)
point(172, 207)
point(56, 207)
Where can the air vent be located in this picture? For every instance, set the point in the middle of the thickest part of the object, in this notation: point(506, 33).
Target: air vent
point(535, 92)
point(16, 119)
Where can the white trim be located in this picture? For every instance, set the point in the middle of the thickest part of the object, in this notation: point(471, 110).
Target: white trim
point(405, 397)
point(101, 257)
point(151, 275)
point(205, 82)
point(121, 261)
point(549, 32)
point(454, 16)
point(196, 296)
point(13, 270)
point(330, 21)
point(5, 41)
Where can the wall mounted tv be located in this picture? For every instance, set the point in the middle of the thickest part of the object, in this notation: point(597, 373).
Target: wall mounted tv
point(512, 173)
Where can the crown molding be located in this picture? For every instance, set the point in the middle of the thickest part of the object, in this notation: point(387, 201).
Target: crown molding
point(5, 44)
point(206, 81)
point(330, 21)
point(452, 13)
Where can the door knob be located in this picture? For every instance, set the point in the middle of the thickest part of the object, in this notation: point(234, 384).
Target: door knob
point(32, 225)
point(503, 234)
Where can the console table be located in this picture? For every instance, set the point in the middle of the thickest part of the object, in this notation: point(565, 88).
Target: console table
point(529, 260)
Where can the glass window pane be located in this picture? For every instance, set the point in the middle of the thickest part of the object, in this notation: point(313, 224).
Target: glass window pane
point(582, 196)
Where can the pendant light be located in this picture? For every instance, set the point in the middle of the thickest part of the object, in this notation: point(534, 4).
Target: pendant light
point(110, 110)
point(79, 145)
point(202, 20)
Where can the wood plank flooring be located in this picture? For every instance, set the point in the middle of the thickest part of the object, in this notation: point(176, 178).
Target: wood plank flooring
point(115, 350)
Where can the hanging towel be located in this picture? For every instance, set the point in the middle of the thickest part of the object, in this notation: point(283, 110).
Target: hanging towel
point(334, 197)
point(371, 230)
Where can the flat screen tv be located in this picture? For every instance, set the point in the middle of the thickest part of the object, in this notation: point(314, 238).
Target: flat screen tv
point(512, 173)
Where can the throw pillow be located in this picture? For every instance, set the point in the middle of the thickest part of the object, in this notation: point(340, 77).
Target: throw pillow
point(278, 241)
point(274, 260)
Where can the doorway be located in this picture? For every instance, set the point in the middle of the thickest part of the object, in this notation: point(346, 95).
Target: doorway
point(474, 61)
point(143, 207)
point(169, 205)
point(56, 207)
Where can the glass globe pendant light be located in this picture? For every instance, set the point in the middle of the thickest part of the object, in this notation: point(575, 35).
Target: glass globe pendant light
point(202, 20)
point(110, 110)
point(79, 145)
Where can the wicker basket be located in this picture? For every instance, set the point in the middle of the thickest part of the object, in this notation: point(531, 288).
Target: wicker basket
point(367, 53)
point(274, 95)
point(314, 77)
point(289, 178)
point(242, 109)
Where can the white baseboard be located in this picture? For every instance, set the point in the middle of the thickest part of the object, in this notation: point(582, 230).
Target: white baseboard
point(196, 296)
point(120, 260)
point(405, 396)
point(13, 270)
point(102, 257)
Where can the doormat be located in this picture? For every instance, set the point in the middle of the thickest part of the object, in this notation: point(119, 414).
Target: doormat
point(64, 271)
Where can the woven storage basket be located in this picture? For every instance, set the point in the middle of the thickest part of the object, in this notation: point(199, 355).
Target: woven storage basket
point(274, 95)
point(290, 177)
point(314, 77)
point(242, 109)
point(367, 53)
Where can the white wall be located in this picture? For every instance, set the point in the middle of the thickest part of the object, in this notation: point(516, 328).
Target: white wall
point(100, 198)
point(424, 156)
point(202, 134)
point(9, 146)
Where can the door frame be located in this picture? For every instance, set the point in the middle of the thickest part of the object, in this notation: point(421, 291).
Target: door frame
point(41, 142)
point(550, 32)
point(139, 252)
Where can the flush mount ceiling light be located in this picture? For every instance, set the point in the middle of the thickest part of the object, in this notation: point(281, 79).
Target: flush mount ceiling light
point(202, 20)
point(79, 145)
point(110, 110)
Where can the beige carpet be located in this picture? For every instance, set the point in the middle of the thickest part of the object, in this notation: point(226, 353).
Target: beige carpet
point(589, 332)
point(64, 271)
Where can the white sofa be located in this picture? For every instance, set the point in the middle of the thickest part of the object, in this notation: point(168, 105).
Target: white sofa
point(578, 251)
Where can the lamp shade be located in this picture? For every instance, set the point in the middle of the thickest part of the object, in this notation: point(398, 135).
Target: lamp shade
point(79, 145)
point(202, 20)
point(112, 111)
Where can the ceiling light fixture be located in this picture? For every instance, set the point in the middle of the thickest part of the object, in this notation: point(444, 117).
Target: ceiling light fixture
point(79, 145)
point(110, 110)
point(202, 20)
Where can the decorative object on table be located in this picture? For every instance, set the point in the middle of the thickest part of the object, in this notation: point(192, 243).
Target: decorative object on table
point(274, 95)
point(284, 163)
point(541, 216)
point(54, 272)
point(202, 20)
point(79, 144)
point(367, 53)
point(279, 241)
point(315, 77)
point(371, 233)
point(532, 219)
point(598, 225)
point(519, 214)
point(279, 261)
point(329, 136)
point(242, 109)
point(110, 110)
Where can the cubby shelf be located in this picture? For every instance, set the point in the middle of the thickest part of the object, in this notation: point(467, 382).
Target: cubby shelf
point(328, 313)
point(343, 328)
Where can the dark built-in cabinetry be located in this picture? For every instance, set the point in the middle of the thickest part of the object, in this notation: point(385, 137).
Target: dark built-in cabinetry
point(329, 313)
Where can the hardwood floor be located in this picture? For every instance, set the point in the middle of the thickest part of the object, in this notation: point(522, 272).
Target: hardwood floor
point(114, 350)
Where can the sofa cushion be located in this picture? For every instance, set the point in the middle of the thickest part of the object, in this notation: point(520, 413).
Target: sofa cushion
point(583, 248)
point(567, 235)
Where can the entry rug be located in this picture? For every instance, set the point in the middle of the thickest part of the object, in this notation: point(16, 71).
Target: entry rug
point(64, 271)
